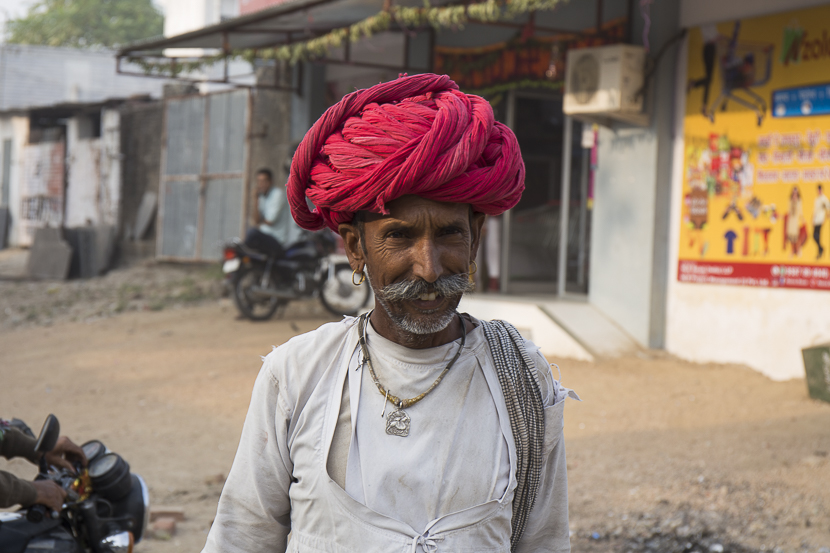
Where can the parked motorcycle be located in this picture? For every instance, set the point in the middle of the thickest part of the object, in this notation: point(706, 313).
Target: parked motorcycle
point(106, 511)
point(261, 283)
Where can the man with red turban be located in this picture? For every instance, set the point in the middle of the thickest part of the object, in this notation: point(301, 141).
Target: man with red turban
point(413, 427)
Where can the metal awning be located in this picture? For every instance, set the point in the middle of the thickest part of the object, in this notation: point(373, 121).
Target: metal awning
point(297, 21)
point(293, 21)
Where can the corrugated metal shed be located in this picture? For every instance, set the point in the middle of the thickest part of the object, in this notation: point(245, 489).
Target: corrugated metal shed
point(33, 76)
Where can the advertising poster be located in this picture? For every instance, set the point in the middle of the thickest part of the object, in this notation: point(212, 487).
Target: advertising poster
point(756, 177)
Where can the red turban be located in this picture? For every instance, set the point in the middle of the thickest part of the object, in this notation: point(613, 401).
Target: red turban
point(415, 135)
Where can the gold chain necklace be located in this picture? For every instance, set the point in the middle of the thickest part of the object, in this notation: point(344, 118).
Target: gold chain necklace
point(398, 421)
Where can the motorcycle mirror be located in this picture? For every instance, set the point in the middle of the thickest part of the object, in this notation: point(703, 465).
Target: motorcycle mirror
point(49, 435)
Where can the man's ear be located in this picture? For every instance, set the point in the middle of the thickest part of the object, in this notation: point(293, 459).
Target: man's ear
point(477, 222)
point(354, 249)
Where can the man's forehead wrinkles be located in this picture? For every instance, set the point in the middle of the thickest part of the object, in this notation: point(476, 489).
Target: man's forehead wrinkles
point(429, 219)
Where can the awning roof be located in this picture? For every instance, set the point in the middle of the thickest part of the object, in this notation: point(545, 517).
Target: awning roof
point(293, 21)
point(299, 20)
point(296, 21)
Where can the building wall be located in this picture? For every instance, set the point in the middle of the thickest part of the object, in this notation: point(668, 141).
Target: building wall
point(181, 16)
point(760, 327)
point(629, 221)
point(32, 76)
point(141, 131)
point(93, 188)
point(251, 6)
point(16, 129)
point(307, 107)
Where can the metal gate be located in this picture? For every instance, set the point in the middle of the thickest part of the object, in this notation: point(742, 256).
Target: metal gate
point(204, 180)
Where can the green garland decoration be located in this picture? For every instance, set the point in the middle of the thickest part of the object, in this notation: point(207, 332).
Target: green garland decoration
point(437, 17)
point(493, 91)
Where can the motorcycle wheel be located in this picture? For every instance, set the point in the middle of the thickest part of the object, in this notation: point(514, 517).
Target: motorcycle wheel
point(339, 296)
point(251, 306)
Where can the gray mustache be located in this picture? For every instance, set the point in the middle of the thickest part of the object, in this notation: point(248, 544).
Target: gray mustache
point(447, 286)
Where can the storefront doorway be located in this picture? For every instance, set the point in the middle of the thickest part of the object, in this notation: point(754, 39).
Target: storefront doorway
point(548, 233)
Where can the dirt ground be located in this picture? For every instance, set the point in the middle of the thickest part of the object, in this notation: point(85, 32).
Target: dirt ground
point(663, 455)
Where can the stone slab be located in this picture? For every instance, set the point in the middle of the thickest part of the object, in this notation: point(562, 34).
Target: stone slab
point(5, 219)
point(93, 248)
point(49, 256)
point(591, 328)
point(145, 216)
point(531, 322)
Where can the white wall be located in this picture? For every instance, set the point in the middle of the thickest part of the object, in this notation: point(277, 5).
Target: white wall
point(16, 128)
point(759, 327)
point(631, 189)
point(35, 76)
point(623, 228)
point(93, 190)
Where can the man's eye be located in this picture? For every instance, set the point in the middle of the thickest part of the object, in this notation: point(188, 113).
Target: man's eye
point(396, 234)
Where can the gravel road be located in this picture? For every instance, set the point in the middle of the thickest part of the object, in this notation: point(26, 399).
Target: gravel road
point(663, 455)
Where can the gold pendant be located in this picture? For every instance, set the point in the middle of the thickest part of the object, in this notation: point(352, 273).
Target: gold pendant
point(397, 423)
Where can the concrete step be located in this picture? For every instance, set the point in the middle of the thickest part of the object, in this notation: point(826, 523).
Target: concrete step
point(531, 322)
point(561, 328)
point(590, 327)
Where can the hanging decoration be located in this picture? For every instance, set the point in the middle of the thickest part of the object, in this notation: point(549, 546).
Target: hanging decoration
point(645, 11)
point(537, 62)
point(437, 17)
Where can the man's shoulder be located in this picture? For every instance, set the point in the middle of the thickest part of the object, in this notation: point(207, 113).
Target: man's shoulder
point(304, 358)
point(548, 386)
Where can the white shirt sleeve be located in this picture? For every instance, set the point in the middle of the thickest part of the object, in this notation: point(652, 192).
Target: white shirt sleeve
point(547, 524)
point(254, 509)
point(272, 205)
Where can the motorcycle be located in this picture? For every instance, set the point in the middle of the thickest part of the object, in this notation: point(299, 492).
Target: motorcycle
point(106, 511)
point(261, 283)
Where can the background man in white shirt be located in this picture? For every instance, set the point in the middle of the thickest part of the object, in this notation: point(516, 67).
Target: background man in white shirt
point(274, 230)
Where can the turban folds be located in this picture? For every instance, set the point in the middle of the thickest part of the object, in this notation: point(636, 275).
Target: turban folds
point(414, 135)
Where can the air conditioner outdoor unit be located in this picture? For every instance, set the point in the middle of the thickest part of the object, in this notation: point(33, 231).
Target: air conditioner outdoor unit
point(603, 84)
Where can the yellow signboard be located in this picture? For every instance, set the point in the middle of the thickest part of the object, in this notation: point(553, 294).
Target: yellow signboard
point(756, 176)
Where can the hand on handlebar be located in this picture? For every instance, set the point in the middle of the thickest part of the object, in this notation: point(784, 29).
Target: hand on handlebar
point(49, 494)
point(64, 454)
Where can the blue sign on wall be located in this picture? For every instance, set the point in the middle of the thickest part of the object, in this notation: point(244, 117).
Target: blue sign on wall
point(801, 101)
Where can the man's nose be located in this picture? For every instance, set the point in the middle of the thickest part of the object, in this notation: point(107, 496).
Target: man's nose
point(427, 261)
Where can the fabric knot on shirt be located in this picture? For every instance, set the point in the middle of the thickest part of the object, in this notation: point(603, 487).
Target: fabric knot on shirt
point(429, 544)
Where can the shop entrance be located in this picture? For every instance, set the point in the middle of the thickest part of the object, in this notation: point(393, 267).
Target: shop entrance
point(548, 233)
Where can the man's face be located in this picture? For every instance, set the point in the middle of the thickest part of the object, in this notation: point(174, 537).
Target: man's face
point(417, 259)
point(263, 183)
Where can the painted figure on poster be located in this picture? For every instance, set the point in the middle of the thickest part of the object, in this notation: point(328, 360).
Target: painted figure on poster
point(795, 232)
point(710, 48)
point(820, 210)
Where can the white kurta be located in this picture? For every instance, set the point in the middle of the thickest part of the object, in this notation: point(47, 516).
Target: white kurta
point(448, 486)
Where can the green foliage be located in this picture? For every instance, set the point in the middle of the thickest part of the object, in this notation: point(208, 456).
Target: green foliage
point(86, 23)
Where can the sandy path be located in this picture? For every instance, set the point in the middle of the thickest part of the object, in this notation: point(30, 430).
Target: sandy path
point(656, 441)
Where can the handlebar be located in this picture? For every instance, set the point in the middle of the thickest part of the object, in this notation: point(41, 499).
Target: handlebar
point(36, 513)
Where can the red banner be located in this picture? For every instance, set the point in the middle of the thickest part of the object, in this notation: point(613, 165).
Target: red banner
point(523, 61)
point(764, 275)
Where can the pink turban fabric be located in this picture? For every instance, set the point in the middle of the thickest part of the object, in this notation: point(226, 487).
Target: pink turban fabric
point(414, 135)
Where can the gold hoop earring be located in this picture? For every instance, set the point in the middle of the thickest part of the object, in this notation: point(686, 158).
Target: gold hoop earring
point(473, 267)
point(362, 277)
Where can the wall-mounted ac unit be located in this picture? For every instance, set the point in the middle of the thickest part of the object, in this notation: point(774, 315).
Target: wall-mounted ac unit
point(603, 84)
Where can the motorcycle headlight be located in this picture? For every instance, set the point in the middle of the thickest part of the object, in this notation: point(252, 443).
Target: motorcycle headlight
point(117, 543)
point(110, 475)
point(94, 449)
